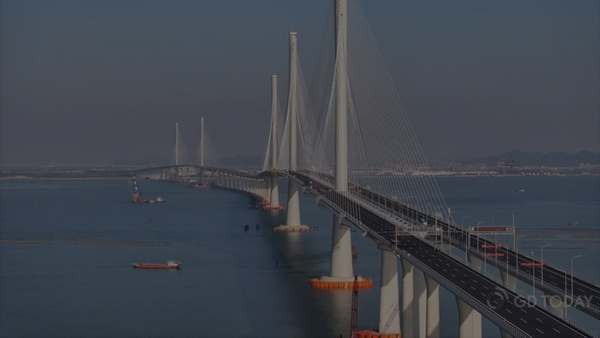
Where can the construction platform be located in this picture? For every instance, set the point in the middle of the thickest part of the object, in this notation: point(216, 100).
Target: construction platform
point(293, 228)
point(374, 334)
point(363, 283)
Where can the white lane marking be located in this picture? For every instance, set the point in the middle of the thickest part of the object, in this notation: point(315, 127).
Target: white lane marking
point(524, 321)
point(436, 264)
point(556, 330)
point(483, 294)
point(507, 310)
point(444, 270)
point(464, 274)
point(540, 331)
point(472, 287)
point(539, 320)
point(525, 311)
point(476, 281)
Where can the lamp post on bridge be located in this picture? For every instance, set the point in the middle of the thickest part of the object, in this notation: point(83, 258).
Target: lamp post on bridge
point(533, 273)
point(450, 223)
point(478, 246)
point(542, 261)
point(517, 253)
point(567, 303)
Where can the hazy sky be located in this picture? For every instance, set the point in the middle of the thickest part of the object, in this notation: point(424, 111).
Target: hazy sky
point(94, 81)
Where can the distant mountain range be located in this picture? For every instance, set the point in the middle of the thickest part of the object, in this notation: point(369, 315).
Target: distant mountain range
point(537, 158)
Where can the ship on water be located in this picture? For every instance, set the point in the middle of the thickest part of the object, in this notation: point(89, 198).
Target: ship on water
point(137, 194)
point(169, 265)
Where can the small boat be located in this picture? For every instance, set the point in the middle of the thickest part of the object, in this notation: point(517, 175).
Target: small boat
point(572, 224)
point(520, 190)
point(169, 265)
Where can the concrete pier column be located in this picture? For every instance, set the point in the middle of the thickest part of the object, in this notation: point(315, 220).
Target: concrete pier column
point(469, 321)
point(341, 250)
point(420, 303)
point(474, 262)
point(472, 317)
point(433, 308)
point(509, 280)
point(389, 316)
point(408, 295)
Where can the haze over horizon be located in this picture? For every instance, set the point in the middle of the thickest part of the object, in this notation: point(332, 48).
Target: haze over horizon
point(96, 82)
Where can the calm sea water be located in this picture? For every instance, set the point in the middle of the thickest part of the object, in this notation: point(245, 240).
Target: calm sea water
point(233, 283)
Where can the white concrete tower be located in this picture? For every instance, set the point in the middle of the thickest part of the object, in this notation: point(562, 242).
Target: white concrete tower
point(176, 143)
point(341, 244)
point(202, 142)
point(293, 211)
point(274, 193)
point(341, 248)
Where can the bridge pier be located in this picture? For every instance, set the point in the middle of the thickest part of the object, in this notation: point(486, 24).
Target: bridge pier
point(274, 193)
point(420, 303)
point(433, 308)
point(509, 280)
point(389, 316)
point(469, 321)
point(408, 298)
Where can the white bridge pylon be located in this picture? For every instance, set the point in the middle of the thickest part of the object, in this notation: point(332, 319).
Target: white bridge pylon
point(293, 222)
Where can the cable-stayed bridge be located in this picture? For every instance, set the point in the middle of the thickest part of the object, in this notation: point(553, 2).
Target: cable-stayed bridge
point(347, 140)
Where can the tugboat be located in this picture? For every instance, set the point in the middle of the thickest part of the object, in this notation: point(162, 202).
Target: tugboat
point(169, 265)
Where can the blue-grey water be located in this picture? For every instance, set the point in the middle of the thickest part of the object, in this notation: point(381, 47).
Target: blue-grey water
point(233, 283)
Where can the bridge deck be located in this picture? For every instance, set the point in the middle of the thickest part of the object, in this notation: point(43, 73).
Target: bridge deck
point(529, 320)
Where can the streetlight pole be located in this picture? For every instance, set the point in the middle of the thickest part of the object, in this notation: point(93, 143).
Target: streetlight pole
point(478, 223)
point(543, 262)
point(566, 303)
point(478, 246)
point(449, 234)
point(533, 273)
point(517, 253)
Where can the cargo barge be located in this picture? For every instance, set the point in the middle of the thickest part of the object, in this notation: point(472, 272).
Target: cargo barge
point(169, 265)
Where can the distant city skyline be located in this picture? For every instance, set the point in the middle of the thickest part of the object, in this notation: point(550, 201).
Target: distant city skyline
point(96, 82)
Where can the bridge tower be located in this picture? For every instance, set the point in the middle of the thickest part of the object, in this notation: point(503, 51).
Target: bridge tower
point(201, 155)
point(293, 212)
point(341, 245)
point(176, 143)
point(274, 191)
